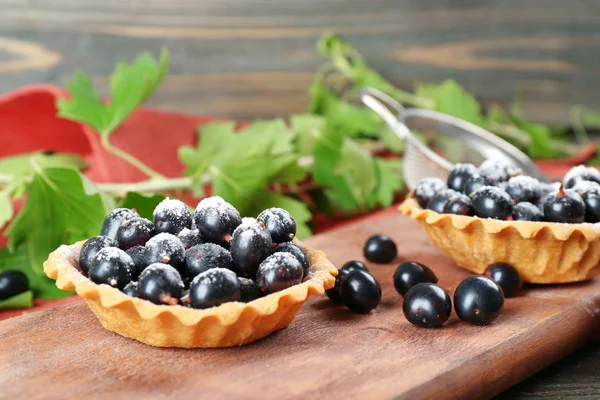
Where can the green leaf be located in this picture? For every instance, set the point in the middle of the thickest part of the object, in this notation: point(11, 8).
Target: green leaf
point(270, 133)
point(540, 145)
point(391, 140)
point(356, 165)
point(291, 172)
point(21, 300)
point(305, 127)
point(6, 208)
point(212, 143)
point(389, 181)
point(22, 165)
point(144, 204)
point(450, 98)
point(298, 209)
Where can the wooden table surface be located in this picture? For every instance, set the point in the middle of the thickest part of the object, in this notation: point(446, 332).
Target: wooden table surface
point(250, 58)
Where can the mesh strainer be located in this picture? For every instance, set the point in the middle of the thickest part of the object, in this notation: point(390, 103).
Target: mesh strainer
point(429, 134)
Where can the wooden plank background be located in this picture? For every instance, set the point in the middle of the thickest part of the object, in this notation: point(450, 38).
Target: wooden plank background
point(253, 58)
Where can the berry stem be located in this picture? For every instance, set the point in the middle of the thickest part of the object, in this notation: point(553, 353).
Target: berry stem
point(123, 155)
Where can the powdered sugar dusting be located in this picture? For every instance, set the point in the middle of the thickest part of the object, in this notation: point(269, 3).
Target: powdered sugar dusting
point(174, 207)
point(213, 276)
point(165, 269)
point(111, 254)
point(216, 203)
point(249, 220)
point(278, 260)
point(525, 182)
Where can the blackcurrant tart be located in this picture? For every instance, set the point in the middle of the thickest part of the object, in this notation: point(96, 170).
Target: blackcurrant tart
point(409, 274)
point(498, 170)
point(581, 173)
point(478, 300)
point(427, 188)
point(459, 205)
point(172, 216)
point(360, 292)
point(439, 200)
point(135, 232)
point(165, 248)
point(523, 188)
point(111, 266)
point(202, 257)
point(249, 290)
point(350, 266)
point(214, 287)
point(477, 182)
point(190, 237)
point(160, 284)
point(250, 245)
point(492, 202)
point(12, 283)
point(115, 219)
point(279, 271)
point(279, 223)
point(380, 249)
point(427, 305)
point(90, 248)
point(216, 219)
point(506, 276)
point(591, 198)
point(525, 211)
point(566, 206)
point(459, 176)
point(137, 255)
point(296, 251)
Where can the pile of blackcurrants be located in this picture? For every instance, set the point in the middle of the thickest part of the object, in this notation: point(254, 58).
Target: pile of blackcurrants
point(496, 190)
point(200, 258)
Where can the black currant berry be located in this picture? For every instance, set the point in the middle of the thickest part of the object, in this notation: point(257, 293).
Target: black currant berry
point(477, 182)
point(90, 248)
point(111, 266)
point(172, 216)
point(190, 237)
point(216, 219)
point(279, 223)
point(581, 173)
point(160, 284)
point(380, 249)
point(250, 245)
point(215, 287)
point(249, 290)
point(478, 300)
point(498, 170)
point(459, 176)
point(296, 251)
point(115, 219)
point(137, 255)
point(427, 188)
point(427, 305)
point(360, 292)
point(525, 211)
point(591, 198)
point(459, 205)
point(565, 206)
point(492, 202)
point(523, 188)
point(135, 232)
point(202, 257)
point(279, 271)
point(131, 289)
point(350, 266)
point(439, 200)
point(582, 187)
point(409, 274)
point(506, 276)
point(165, 248)
point(12, 283)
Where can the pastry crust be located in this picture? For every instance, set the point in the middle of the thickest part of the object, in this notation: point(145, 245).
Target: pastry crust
point(542, 252)
point(230, 324)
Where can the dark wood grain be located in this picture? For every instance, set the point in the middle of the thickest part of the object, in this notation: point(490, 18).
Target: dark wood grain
point(327, 352)
point(256, 57)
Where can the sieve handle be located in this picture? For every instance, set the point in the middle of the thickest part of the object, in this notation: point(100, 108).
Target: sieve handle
point(387, 108)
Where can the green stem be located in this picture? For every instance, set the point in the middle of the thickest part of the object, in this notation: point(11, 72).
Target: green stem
point(129, 158)
point(148, 186)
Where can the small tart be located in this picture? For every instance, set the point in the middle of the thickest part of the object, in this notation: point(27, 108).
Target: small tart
point(230, 324)
point(542, 252)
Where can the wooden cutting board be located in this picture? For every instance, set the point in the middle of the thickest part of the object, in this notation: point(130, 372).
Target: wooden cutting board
point(327, 352)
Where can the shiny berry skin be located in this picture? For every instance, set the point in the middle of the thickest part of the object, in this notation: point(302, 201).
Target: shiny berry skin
point(279, 223)
point(506, 276)
point(279, 271)
point(478, 300)
point(565, 206)
point(296, 251)
point(172, 216)
point(409, 274)
point(216, 219)
point(427, 305)
point(525, 211)
point(350, 266)
point(202, 257)
point(90, 248)
point(492, 202)
point(214, 287)
point(591, 198)
point(523, 188)
point(135, 232)
point(249, 290)
point(380, 249)
point(250, 245)
point(137, 255)
point(581, 173)
point(459, 205)
point(131, 289)
point(459, 176)
point(498, 170)
point(165, 248)
point(12, 283)
point(439, 200)
point(111, 266)
point(582, 187)
point(115, 219)
point(427, 188)
point(477, 182)
point(190, 237)
point(160, 284)
point(360, 292)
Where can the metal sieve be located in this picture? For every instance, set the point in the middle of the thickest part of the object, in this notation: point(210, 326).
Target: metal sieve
point(429, 134)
